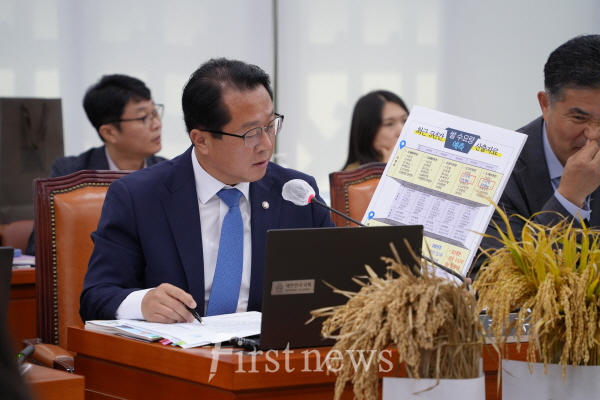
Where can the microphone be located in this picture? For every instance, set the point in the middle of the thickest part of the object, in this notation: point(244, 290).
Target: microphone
point(26, 352)
point(300, 193)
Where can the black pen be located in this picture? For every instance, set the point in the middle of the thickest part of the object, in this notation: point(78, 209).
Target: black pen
point(194, 313)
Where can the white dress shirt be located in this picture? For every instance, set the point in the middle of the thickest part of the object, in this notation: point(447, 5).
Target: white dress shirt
point(212, 212)
point(111, 164)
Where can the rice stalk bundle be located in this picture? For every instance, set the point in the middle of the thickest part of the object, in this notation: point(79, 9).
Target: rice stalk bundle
point(551, 277)
point(433, 323)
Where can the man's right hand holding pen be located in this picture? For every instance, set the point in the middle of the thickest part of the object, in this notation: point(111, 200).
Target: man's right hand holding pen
point(168, 304)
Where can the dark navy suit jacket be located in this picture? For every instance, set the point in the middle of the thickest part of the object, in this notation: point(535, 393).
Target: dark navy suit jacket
point(94, 158)
point(529, 190)
point(149, 234)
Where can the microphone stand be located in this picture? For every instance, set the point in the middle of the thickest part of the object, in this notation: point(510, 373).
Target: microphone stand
point(314, 200)
point(450, 271)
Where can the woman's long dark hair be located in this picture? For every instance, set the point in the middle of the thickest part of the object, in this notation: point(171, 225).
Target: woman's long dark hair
point(366, 121)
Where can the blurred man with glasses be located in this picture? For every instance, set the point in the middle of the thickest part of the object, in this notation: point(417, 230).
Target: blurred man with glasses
point(121, 110)
point(123, 113)
point(159, 248)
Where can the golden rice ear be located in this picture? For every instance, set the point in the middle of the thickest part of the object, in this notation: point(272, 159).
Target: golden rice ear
point(557, 289)
point(415, 270)
point(444, 320)
point(504, 217)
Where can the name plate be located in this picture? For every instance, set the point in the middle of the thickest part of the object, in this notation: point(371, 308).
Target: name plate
point(303, 286)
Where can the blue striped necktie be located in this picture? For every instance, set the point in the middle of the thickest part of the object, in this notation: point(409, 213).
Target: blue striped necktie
point(228, 273)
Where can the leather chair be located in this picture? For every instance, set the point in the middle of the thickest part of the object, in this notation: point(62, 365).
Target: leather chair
point(16, 234)
point(351, 191)
point(67, 210)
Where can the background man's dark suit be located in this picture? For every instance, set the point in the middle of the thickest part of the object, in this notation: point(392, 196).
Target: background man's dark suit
point(529, 189)
point(149, 234)
point(94, 158)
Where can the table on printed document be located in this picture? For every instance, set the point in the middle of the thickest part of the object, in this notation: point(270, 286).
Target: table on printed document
point(118, 367)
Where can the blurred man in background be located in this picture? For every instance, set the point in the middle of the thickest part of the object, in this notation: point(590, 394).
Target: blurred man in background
point(127, 120)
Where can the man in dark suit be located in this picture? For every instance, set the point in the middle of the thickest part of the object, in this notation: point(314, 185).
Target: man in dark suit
point(158, 246)
point(559, 167)
point(123, 113)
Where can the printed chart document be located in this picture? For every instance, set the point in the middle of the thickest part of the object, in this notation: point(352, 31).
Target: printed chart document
point(216, 329)
point(442, 167)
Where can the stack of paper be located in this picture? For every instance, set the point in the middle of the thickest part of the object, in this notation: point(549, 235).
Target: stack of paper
point(216, 329)
point(119, 327)
point(23, 261)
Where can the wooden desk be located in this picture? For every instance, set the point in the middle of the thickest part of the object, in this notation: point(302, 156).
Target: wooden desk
point(130, 369)
point(21, 308)
point(490, 367)
point(51, 384)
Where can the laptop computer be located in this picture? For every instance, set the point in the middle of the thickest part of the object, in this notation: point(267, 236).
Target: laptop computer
point(299, 261)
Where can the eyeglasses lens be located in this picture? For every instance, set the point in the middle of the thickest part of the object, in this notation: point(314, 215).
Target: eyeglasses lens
point(252, 137)
point(156, 113)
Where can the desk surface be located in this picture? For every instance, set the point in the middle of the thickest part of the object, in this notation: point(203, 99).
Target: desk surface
point(23, 276)
point(51, 384)
point(130, 369)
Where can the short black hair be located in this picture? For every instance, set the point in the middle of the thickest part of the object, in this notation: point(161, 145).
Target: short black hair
point(105, 100)
point(202, 99)
point(366, 121)
point(573, 65)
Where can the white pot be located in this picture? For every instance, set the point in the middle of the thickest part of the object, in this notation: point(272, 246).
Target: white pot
point(583, 382)
point(407, 388)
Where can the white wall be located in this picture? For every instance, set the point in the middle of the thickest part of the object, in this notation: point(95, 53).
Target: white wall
point(481, 60)
point(58, 48)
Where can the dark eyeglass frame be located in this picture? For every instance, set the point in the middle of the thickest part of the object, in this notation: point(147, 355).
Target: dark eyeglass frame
point(277, 116)
point(156, 113)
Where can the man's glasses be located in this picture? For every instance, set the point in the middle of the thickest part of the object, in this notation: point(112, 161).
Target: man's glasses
point(146, 119)
point(252, 137)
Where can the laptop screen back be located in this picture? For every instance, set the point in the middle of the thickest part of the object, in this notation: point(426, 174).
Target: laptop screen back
point(299, 261)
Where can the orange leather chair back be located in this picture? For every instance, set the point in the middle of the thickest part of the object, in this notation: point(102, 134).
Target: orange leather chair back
point(67, 210)
point(16, 234)
point(351, 191)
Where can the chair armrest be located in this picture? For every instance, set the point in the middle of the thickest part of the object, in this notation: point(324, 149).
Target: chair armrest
point(51, 356)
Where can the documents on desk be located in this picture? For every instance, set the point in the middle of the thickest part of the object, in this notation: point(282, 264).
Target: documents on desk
point(23, 261)
point(216, 329)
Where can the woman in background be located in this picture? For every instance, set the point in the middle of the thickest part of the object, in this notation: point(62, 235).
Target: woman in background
point(377, 121)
